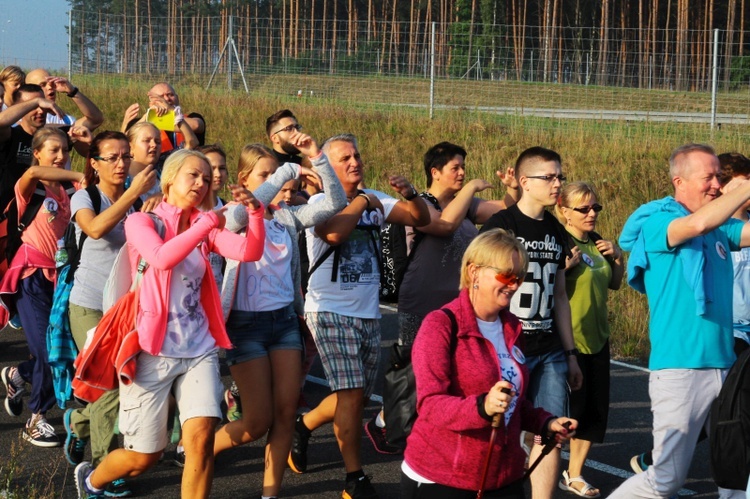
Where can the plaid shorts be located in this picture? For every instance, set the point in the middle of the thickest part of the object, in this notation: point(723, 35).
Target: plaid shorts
point(349, 349)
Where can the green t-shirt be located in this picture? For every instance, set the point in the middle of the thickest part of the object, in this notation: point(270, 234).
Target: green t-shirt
point(587, 284)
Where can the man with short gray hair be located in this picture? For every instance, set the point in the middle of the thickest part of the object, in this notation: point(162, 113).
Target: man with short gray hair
point(680, 258)
point(342, 305)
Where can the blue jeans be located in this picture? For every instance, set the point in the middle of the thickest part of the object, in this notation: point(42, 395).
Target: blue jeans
point(254, 334)
point(548, 382)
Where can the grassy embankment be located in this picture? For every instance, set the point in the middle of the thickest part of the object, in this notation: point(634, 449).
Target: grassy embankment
point(626, 162)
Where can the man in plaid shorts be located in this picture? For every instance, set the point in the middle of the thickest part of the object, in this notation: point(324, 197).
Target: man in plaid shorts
point(342, 308)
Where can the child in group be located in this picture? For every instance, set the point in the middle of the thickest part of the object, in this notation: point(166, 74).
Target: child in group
point(31, 278)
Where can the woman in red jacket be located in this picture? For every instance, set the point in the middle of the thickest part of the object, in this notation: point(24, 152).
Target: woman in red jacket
point(461, 371)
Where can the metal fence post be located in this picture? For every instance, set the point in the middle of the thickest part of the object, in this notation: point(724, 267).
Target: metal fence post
point(229, 59)
point(70, 44)
point(714, 78)
point(432, 71)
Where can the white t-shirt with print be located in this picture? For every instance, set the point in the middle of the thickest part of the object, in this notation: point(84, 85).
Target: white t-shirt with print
point(355, 291)
point(187, 324)
point(267, 284)
point(509, 367)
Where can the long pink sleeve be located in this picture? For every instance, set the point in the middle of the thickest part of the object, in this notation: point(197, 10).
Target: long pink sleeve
point(141, 233)
point(247, 248)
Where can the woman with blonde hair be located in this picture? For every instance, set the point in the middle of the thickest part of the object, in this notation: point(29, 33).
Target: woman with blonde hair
point(263, 302)
point(595, 266)
point(11, 79)
point(469, 367)
point(180, 327)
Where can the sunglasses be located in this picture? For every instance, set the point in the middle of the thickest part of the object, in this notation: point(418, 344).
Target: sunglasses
point(502, 277)
point(586, 209)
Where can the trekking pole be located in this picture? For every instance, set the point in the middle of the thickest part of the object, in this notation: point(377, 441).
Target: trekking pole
point(546, 450)
point(493, 436)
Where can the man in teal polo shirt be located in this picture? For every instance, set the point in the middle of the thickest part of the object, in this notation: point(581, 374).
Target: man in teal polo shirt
point(680, 258)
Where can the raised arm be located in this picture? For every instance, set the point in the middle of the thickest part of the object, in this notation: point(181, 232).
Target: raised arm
point(28, 181)
point(181, 125)
point(413, 211)
point(334, 197)
point(487, 208)
point(92, 115)
point(10, 116)
point(96, 226)
point(236, 247)
point(711, 215)
point(446, 222)
point(165, 255)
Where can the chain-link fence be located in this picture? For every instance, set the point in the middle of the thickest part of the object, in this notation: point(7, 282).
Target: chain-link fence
point(629, 74)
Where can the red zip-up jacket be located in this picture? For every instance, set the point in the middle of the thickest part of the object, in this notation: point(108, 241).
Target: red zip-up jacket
point(450, 437)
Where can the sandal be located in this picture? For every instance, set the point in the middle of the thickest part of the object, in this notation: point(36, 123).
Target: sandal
point(566, 481)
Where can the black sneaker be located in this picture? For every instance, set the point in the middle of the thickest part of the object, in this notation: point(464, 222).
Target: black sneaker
point(40, 433)
point(82, 472)
point(378, 439)
point(298, 455)
point(118, 488)
point(361, 488)
point(14, 391)
point(179, 458)
point(74, 446)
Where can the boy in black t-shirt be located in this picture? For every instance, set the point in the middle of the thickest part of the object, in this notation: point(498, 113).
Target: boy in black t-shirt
point(541, 302)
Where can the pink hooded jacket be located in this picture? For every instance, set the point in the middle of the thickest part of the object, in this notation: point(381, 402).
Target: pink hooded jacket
point(163, 255)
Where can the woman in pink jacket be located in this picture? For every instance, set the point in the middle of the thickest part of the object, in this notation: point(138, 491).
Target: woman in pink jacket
point(464, 356)
point(180, 328)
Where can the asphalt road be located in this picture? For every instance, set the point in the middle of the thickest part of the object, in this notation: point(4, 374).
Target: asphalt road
point(40, 472)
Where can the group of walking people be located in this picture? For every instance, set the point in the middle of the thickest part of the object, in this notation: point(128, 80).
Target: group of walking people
point(508, 324)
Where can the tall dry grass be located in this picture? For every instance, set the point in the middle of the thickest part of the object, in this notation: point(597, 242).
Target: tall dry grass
point(627, 162)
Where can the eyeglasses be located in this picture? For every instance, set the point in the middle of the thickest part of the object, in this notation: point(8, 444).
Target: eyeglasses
point(549, 178)
point(586, 209)
point(502, 277)
point(289, 128)
point(112, 160)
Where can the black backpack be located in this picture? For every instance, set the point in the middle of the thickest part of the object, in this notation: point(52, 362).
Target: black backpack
point(400, 389)
point(35, 203)
point(729, 428)
point(74, 247)
point(396, 253)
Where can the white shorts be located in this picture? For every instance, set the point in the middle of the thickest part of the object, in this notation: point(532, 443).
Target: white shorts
point(144, 404)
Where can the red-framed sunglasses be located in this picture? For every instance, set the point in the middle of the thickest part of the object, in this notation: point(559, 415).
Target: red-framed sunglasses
point(502, 277)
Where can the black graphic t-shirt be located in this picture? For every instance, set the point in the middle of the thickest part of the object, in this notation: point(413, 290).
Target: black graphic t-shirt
point(546, 243)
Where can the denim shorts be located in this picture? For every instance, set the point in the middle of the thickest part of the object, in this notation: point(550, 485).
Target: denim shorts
point(548, 382)
point(254, 334)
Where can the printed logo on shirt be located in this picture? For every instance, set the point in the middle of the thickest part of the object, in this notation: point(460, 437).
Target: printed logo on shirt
point(721, 250)
point(50, 206)
point(374, 217)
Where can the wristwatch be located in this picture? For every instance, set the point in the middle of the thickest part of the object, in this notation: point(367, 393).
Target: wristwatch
point(571, 353)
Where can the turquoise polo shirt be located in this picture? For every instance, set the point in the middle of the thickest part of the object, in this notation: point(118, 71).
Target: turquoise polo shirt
point(680, 338)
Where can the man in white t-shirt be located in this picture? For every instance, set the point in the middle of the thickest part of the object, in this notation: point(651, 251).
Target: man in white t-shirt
point(341, 306)
point(92, 115)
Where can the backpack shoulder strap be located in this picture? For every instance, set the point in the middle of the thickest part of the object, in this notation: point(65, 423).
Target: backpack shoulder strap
point(454, 328)
point(36, 201)
point(320, 260)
